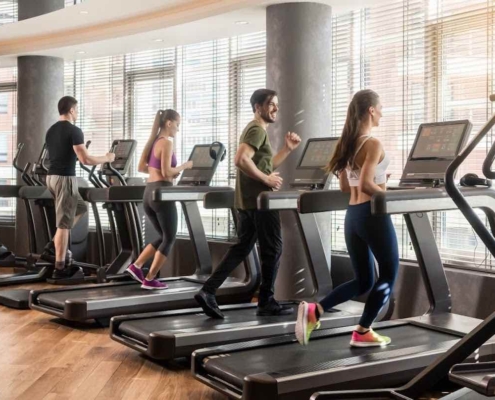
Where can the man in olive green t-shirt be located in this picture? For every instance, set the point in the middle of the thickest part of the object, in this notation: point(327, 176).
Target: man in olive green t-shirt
point(255, 163)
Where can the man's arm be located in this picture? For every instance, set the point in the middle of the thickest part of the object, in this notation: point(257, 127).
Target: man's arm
point(84, 157)
point(244, 161)
point(292, 140)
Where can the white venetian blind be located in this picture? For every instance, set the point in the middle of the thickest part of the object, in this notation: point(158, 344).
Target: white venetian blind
point(8, 11)
point(208, 83)
point(429, 60)
point(8, 138)
point(98, 86)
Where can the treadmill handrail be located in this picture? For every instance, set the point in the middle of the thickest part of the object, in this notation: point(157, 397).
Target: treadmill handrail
point(323, 201)
point(175, 192)
point(220, 199)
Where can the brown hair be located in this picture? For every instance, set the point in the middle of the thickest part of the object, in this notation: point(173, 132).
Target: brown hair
point(161, 118)
point(346, 145)
point(65, 104)
point(260, 96)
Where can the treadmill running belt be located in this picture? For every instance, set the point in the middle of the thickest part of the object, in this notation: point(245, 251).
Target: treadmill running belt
point(58, 299)
point(140, 329)
point(275, 359)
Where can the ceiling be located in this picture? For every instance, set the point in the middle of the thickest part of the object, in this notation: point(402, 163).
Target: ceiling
point(97, 28)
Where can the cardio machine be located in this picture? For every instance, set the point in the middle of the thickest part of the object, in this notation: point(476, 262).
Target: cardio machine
point(477, 379)
point(171, 334)
point(103, 301)
point(279, 368)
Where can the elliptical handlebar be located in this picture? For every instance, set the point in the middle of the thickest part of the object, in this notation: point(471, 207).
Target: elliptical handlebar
point(91, 171)
point(114, 171)
point(25, 176)
point(20, 146)
point(455, 193)
point(42, 159)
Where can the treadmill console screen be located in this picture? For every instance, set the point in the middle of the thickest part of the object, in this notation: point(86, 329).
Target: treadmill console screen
point(200, 157)
point(317, 153)
point(438, 141)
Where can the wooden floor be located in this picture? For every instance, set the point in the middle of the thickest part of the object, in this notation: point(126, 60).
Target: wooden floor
point(41, 358)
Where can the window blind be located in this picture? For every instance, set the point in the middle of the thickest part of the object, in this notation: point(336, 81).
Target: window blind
point(8, 138)
point(429, 60)
point(8, 11)
point(208, 83)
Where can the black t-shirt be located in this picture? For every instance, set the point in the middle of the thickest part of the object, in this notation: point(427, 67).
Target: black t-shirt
point(59, 141)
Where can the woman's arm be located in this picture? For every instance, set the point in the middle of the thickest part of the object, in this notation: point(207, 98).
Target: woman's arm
point(344, 182)
point(166, 151)
point(373, 151)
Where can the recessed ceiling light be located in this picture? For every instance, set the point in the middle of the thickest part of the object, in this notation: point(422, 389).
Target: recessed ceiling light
point(83, 12)
point(242, 23)
point(157, 40)
point(81, 52)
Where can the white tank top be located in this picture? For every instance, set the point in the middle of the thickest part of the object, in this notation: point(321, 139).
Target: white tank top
point(380, 171)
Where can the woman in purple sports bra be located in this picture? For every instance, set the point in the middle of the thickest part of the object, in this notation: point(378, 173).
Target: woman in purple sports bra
point(159, 161)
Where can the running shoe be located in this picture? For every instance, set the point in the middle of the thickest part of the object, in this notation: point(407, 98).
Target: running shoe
point(307, 322)
point(154, 284)
point(369, 339)
point(135, 273)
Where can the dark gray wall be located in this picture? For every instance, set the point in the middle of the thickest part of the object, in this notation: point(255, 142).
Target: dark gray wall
point(299, 68)
point(473, 292)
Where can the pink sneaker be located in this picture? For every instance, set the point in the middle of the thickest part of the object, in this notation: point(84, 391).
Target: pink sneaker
point(135, 273)
point(307, 322)
point(369, 339)
point(155, 284)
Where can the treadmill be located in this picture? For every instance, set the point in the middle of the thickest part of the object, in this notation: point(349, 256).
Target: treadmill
point(477, 379)
point(100, 302)
point(280, 368)
point(172, 334)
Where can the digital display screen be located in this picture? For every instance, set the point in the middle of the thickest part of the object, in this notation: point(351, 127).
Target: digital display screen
point(201, 157)
point(123, 150)
point(441, 141)
point(318, 153)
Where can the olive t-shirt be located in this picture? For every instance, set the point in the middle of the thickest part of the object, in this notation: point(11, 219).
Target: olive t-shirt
point(246, 188)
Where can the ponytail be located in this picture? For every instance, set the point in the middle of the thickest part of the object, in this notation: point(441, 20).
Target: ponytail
point(346, 145)
point(161, 118)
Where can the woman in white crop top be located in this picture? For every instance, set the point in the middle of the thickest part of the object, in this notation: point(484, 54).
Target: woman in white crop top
point(360, 162)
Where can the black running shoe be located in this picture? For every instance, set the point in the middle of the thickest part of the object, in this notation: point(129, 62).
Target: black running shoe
point(273, 308)
point(209, 305)
point(68, 273)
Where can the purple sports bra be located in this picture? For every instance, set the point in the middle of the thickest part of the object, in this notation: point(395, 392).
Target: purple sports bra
point(155, 162)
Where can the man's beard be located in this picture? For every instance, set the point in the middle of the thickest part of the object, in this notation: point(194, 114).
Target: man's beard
point(266, 117)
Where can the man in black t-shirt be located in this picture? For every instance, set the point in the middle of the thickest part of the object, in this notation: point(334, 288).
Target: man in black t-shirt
point(65, 144)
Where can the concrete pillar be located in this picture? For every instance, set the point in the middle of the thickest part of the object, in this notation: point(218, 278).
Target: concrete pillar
point(40, 85)
point(299, 68)
point(34, 8)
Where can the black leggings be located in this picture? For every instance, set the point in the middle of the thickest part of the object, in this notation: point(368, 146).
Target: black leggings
point(163, 216)
point(368, 235)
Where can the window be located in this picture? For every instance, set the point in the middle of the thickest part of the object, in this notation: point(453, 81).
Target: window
point(4, 103)
point(430, 60)
point(8, 11)
point(209, 84)
point(8, 139)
